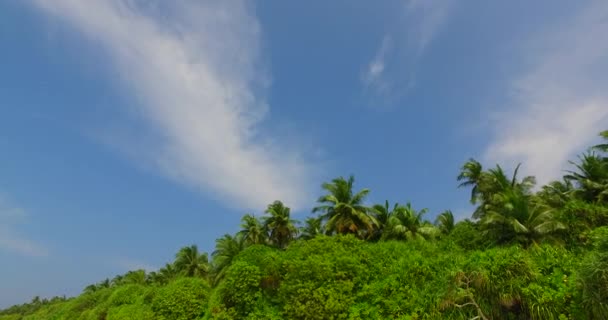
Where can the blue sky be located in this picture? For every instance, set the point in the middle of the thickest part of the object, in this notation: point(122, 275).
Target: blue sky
point(131, 128)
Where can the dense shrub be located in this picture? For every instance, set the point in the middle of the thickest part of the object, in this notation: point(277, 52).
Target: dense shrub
point(183, 299)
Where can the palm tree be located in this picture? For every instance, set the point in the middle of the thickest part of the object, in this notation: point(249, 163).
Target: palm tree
point(604, 146)
point(104, 284)
point(445, 222)
point(134, 277)
point(470, 175)
point(226, 249)
point(252, 230)
point(406, 223)
point(166, 274)
point(191, 263)
point(281, 227)
point(344, 210)
point(312, 228)
point(90, 289)
point(591, 177)
point(556, 193)
point(382, 213)
point(516, 215)
point(486, 184)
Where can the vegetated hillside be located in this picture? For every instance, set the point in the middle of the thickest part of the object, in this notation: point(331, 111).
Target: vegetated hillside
point(526, 255)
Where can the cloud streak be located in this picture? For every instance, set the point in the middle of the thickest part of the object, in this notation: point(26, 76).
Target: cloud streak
point(374, 77)
point(561, 103)
point(195, 67)
point(423, 21)
point(11, 240)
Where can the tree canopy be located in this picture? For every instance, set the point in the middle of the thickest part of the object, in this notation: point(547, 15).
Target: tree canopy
point(526, 252)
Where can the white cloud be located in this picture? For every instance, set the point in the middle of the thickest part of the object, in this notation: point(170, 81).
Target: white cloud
point(373, 76)
point(561, 103)
point(423, 21)
point(11, 240)
point(195, 66)
point(426, 19)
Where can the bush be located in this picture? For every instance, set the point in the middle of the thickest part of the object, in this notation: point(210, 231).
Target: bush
point(182, 299)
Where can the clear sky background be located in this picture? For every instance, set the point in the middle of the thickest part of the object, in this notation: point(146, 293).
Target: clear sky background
point(129, 129)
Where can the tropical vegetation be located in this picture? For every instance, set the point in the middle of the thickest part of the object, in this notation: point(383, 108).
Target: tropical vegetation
point(526, 252)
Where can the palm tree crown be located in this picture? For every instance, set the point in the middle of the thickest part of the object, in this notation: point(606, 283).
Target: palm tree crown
point(445, 222)
point(226, 249)
point(191, 263)
point(344, 210)
point(280, 226)
point(252, 230)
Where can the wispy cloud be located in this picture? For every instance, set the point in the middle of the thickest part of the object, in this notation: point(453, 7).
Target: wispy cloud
point(424, 19)
point(374, 77)
point(10, 239)
point(561, 103)
point(195, 66)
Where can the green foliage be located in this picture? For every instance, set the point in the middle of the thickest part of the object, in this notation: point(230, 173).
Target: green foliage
point(343, 209)
point(526, 255)
point(467, 235)
point(238, 294)
point(191, 263)
point(183, 299)
point(594, 276)
point(131, 312)
point(279, 224)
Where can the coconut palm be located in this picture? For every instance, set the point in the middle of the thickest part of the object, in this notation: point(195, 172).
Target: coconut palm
point(90, 289)
point(280, 226)
point(556, 193)
point(312, 227)
point(445, 222)
point(516, 216)
point(470, 175)
point(486, 184)
point(134, 277)
point(226, 249)
point(382, 213)
point(166, 274)
point(604, 146)
point(406, 223)
point(344, 210)
point(191, 263)
point(591, 177)
point(252, 230)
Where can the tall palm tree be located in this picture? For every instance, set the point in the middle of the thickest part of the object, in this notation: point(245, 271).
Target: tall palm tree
point(252, 230)
point(191, 263)
point(604, 146)
point(226, 249)
point(518, 216)
point(280, 226)
point(556, 193)
point(90, 289)
point(470, 175)
point(591, 177)
point(486, 184)
point(166, 274)
point(312, 227)
point(445, 222)
point(406, 223)
point(382, 213)
point(104, 284)
point(344, 210)
point(134, 277)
